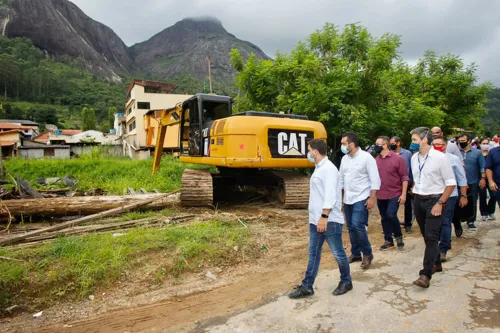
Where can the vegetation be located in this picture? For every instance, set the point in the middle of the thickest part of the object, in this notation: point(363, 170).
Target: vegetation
point(352, 81)
point(110, 174)
point(89, 121)
point(491, 121)
point(76, 266)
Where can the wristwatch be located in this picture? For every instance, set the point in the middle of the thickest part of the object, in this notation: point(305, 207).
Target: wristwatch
point(441, 202)
point(324, 216)
point(463, 195)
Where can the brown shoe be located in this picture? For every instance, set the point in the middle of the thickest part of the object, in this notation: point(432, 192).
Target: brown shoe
point(437, 269)
point(367, 261)
point(423, 281)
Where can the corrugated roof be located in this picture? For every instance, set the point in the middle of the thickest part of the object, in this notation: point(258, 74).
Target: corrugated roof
point(168, 86)
point(7, 143)
point(10, 132)
point(24, 122)
point(5, 125)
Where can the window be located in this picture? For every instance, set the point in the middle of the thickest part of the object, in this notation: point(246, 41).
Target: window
point(131, 126)
point(49, 152)
point(152, 90)
point(143, 105)
point(129, 111)
point(215, 110)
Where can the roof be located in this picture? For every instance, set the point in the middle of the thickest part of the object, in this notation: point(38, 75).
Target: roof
point(7, 143)
point(22, 122)
point(44, 137)
point(10, 132)
point(6, 125)
point(168, 86)
point(47, 147)
point(71, 131)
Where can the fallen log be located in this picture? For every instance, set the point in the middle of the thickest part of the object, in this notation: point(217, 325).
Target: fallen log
point(73, 223)
point(72, 206)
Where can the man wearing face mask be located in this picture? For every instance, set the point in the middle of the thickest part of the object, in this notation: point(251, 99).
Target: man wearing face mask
point(476, 174)
point(360, 181)
point(406, 155)
point(452, 148)
point(394, 184)
point(434, 183)
point(325, 222)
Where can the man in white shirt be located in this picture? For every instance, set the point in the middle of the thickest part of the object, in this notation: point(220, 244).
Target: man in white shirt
point(360, 181)
point(325, 222)
point(434, 183)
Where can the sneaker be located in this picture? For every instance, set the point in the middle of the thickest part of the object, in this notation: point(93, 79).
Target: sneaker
point(342, 288)
point(471, 226)
point(301, 292)
point(443, 257)
point(387, 245)
point(354, 259)
point(492, 217)
point(399, 241)
point(459, 231)
point(367, 261)
point(408, 230)
point(485, 218)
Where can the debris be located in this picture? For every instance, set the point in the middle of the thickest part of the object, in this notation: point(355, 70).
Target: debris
point(235, 248)
point(70, 181)
point(211, 276)
point(143, 190)
point(94, 192)
point(130, 190)
point(11, 309)
point(10, 259)
point(52, 181)
point(26, 191)
point(69, 224)
point(38, 314)
point(91, 297)
point(118, 235)
point(67, 326)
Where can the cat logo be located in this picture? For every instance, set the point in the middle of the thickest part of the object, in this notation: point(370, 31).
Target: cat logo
point(288, 144)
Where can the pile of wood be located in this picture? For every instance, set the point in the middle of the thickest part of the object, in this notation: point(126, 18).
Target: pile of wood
point(75, 227)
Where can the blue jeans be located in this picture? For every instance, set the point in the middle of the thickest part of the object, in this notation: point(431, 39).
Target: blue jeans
point(356, 216)
point(333, 236)
point(474, 190)
point(445, 238)
point(390, 222)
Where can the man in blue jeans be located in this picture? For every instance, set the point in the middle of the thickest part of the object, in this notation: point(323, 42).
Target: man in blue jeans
point(325, 222)
point(493, 171)
point(440, 144)
point(360, 181)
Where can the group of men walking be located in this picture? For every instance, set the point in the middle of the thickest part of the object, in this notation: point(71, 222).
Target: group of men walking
point(434, 185)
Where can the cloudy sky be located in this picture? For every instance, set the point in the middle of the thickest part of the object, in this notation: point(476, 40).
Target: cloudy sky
point(467, 28)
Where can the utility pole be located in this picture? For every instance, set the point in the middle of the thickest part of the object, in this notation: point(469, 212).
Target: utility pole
point(209, 72)
point(2, 168)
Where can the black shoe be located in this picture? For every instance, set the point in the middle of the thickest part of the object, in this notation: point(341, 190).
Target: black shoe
point(400, 243)
point(387, 245)
point(471, 226)
point(301, 292)
point(342, 288)
point(354, 259)
point(459, 231)
point(443, 257)
point(408, 230)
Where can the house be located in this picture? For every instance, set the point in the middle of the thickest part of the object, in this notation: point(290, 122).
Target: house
point(45, 137)
point(144, 96)
point(10, 140)
point(36, 150)
point(28, 131)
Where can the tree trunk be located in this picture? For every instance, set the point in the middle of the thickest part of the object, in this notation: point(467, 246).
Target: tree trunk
point(65, 206)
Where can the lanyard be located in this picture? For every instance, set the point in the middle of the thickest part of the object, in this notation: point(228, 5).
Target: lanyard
point(421, 167)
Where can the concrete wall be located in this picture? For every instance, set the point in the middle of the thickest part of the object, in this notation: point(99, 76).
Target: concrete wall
point(38, 153)
point(97, 136)
point(157, 101)
point(106, 150)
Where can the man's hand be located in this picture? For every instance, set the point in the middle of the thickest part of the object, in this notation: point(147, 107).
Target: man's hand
point(493, 186)
point(402, 199)
point(369, 203)
point(437, 210)
point(322, 224)
point(482, 183)
point(463, 202)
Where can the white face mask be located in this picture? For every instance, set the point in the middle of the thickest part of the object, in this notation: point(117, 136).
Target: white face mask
point(485, 147)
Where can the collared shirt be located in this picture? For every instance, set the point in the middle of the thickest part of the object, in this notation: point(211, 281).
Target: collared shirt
point(325, 193)
point(432, 173)
point(453, 149)
point(406, 155)
point(458, 170)
point(358, 176)
point(392, 171)
point(474, 165)
point(493, 164)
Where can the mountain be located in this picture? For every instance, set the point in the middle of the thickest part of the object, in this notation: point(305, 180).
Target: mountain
point(183, 48)
point(60, 28)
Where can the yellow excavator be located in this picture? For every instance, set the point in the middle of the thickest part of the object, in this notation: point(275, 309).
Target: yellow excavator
point(248, 149)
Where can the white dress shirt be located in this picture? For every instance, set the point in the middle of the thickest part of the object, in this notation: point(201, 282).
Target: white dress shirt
point(453, 149)
point(458, 169)
point(358, 176)
point(325, 193)
point(432, 173)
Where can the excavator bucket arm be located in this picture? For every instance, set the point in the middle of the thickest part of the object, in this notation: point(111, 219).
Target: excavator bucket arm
point(168, 118)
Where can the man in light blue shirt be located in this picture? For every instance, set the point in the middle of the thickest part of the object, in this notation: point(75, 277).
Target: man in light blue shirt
point(440, 144)
point(406, 155)
point(325, 222)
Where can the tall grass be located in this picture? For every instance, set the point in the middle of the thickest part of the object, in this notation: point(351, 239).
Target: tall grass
point(110, 174)
point(75, 266)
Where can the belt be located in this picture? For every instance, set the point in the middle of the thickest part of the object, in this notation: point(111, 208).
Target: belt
point(431, 196)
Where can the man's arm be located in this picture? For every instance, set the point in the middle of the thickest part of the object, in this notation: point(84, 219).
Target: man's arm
point(449, 179)
point(329, 180)
point(403, 173)
point(481, 165)
point(462, 183)
point(375, 182)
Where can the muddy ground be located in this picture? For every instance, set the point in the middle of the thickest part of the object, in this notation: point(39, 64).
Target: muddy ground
point(218, 299)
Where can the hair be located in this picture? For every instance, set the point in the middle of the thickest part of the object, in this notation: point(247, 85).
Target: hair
point(482, 139)
point(461, 135)
point(351, 138)
point(386, 139)
point(320, 145)
point(441, 138)
point(423, 132)
point(396, 138)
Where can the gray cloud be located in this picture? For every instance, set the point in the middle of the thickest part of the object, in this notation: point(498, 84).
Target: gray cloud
point(470, 29)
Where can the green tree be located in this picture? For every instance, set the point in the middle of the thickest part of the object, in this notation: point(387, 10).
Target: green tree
point(92, 121)
point(85, 119)
point(45, 115)
point(491, 120)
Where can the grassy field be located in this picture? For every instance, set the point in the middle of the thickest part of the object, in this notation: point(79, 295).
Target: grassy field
point(110, 174)
point(75, 266)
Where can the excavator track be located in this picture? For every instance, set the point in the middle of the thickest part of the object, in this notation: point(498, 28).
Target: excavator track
point(197, 188)
point(293, 189)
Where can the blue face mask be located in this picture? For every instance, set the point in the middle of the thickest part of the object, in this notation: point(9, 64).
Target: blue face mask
point(415, 146)
point(310, 158)
point(344, 150)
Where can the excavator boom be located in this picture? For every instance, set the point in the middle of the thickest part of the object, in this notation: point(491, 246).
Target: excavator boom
point(168, 118)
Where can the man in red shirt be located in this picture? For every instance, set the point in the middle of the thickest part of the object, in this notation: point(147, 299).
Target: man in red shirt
point(394, 177)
